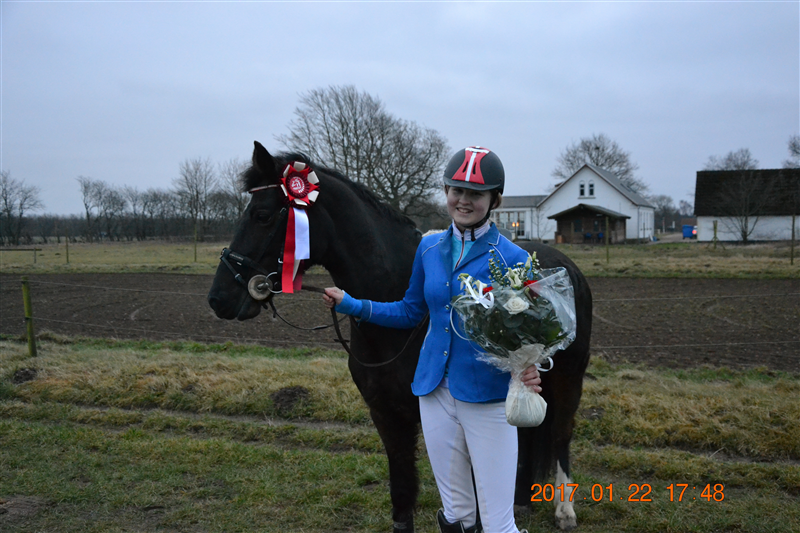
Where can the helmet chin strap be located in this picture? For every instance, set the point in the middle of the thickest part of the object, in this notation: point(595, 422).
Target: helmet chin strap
point(484, 219)
point(478, 225)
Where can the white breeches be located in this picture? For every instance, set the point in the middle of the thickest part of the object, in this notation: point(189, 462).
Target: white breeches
point(463, 438)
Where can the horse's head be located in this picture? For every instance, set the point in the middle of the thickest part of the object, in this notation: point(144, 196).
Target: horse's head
point(250, 269)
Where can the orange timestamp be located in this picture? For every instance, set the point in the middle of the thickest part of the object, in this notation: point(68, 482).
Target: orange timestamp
point(636, 492)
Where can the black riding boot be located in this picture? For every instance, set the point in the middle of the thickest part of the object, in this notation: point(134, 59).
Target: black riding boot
point(455, 527)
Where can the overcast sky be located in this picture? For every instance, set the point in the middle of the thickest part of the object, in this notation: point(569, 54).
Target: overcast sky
point(126, 91)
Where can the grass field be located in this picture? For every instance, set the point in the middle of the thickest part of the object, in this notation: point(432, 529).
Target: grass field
point(101, 435)
point(678, 259)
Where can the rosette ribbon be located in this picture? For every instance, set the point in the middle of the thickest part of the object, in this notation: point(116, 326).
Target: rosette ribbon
point(300, 185)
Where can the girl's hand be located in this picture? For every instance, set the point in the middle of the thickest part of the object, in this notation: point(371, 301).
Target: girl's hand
point(531, 379)
point(333, 296)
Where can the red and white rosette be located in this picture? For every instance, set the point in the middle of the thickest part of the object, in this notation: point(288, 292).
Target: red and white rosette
point(300, 185)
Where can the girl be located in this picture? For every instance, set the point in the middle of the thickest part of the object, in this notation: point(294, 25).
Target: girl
point(461, 399)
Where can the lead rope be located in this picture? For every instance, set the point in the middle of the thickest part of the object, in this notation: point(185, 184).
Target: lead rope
point(338, 330)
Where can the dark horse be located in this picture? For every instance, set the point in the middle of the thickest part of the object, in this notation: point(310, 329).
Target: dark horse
point(368, 248)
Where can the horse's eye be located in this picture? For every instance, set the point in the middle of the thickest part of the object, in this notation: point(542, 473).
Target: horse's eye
point(263, 217)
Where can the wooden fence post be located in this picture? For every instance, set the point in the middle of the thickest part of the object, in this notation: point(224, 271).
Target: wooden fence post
point(26, 298)
point(607, 239)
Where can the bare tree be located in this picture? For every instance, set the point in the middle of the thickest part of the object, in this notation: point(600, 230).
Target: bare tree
point(794, 153)
point(410, 170)
point(743, 195)
point(685, 209)
point(103, 205)
point(16, 199)
point(602, 152)
point(540, 224)
point(742, 201)
point(224, 212)
point(136, 200)
point(90, 194)
point(112, 206)
point(739, 160)
point(666, 214)
point(352, 132)
point(230, 184)
point(161, 210)
point(194, 188)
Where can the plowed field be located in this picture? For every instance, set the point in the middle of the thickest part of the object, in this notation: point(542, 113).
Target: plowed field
point(662, 322)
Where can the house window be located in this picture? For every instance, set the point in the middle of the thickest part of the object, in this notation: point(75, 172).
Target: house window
point(591, 188)
point(582, 189)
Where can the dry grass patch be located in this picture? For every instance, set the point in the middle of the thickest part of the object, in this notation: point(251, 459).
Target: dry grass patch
point(682, 259)
point(748, 413)
point(134, 256)
point(686, 260)
point(167, 379)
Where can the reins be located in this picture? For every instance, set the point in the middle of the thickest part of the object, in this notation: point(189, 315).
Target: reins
point(266, 287)
point(338, 330)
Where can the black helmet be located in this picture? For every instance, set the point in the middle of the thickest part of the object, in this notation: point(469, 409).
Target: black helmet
point(475, 168)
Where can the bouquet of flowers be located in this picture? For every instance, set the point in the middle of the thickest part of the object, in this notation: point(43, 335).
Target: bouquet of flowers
point(522, 318)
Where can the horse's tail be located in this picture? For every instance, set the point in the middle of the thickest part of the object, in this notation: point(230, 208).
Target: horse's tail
point(536, 459)
point(541, 447)
point(540, 451)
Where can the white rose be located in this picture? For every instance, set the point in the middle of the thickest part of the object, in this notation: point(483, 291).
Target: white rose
point(515, 305)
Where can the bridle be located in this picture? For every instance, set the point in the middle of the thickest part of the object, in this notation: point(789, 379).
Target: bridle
point(260, 287)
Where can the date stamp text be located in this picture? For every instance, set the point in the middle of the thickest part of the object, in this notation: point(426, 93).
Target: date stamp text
point(636, 492)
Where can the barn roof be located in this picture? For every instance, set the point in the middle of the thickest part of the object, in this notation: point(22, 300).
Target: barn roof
point(764, 192)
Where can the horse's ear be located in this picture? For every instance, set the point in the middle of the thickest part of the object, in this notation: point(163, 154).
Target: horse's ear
point(262, 161)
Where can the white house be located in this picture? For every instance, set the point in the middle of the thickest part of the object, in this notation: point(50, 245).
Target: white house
point(597, 191)
point(750, 205)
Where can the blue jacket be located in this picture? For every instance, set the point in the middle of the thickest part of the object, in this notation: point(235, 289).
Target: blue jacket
point(432, 286)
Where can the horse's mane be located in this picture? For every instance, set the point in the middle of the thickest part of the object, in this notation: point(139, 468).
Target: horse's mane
point(251, 178)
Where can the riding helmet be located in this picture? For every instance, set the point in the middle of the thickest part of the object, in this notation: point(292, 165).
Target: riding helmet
point(475, 168)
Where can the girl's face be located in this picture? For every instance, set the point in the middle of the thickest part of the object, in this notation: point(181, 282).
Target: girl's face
point(466, 206)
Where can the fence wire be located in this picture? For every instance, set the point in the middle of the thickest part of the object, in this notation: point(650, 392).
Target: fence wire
point(600, 300)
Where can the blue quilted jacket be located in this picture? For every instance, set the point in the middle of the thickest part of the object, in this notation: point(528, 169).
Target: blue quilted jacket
point(432, 286)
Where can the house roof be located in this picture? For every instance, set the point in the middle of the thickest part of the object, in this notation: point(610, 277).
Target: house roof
point(522, 201)
point(765, 192)
point(591, 208)
point(614, 181)
point(611, 179)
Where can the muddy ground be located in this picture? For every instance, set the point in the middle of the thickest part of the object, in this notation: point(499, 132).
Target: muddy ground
point(660, 322)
